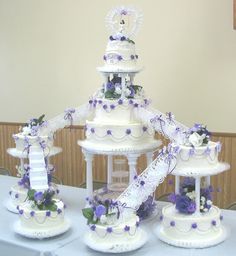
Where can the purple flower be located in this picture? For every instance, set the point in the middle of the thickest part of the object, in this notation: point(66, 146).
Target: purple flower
point(109, 132)
point(100, 102)
point(161, 218)
point(132, 57)
point(131, 102)
point(109, 230)
point(142, 183)
point(59, 211)
point(110, 86)
point(172, 223)
point(112, 106)
point(135, 105)
point(144, 128)
point(194, 225)
point(16, 195)
point(124, 12)
point(38, 196)
point(111, 38)
point(104, 106)
point(119, 57)
point(104, 57)
point(183, 204)
point(127, 228)
point(21, 212)
point(93, 227)
point(213, 223)
point(136, 56)
point(128, 131)
point(32, 213)
point(100, 210)
point(120, 101)
point(48, 213)
point(192, 207)
point(92, 130)
point(123, 38)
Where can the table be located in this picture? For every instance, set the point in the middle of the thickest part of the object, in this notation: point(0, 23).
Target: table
point(71, 243)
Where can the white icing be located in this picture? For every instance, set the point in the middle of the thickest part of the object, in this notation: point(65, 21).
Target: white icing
point(18, 195)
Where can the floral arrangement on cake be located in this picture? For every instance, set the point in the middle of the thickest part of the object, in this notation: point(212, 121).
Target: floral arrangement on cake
point(101, 211)
point(185, 201)
point(147, 208)
point(42, 200)
point(198, 135)
point(33, 127)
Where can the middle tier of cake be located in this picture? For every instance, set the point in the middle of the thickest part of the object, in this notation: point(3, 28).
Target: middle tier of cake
point(119, 134)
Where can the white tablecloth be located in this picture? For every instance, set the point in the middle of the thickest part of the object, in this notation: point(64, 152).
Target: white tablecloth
point(71, 243)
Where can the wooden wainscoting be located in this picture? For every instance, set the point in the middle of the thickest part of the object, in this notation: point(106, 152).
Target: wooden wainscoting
point(70, 164)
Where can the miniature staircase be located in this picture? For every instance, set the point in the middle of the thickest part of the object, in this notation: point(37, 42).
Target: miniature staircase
point(38, 171)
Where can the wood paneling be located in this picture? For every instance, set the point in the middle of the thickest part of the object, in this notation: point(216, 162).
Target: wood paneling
point(70, 164)
point(234, 10)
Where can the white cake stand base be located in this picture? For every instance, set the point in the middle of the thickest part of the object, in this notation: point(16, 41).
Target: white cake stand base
point(10, 206)
point(41, 233)
point(207, 242)
point(117, 246)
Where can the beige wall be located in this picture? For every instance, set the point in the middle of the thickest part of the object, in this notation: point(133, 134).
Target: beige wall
point(49, 50)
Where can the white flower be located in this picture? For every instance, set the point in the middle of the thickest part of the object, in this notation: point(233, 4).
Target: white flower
point(26, 130)
point(127, 92)
point(196, 140)
point(191, 195)
point(118, 90)
point(103, 219)
point(201, 207)
point(209, 202)
point(205, 210)
point(203, 198)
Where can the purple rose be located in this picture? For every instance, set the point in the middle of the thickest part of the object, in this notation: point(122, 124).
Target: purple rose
point(100, 210)
point(172, 198)
point(110, 86)
point(183, 203)
point(38, 196)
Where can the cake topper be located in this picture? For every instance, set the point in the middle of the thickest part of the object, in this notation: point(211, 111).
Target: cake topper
point(124, 20)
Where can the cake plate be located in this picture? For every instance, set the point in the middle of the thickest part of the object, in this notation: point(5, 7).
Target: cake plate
point(208, 242)
point(41, 233)
point(117, 247)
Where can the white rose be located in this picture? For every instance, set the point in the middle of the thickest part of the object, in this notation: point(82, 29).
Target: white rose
point(195, 139)
point(127, 92)
point(26, 130)
point(209, 202)
point(103, 219)
point(118, 90)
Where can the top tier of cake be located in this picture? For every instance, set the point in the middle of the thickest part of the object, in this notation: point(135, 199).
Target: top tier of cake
point(120, 55)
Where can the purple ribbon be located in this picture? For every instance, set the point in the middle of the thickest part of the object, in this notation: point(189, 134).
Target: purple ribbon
point(69, 115)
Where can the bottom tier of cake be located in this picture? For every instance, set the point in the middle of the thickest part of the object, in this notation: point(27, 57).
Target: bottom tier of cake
point(120, 237)
point(191, 231)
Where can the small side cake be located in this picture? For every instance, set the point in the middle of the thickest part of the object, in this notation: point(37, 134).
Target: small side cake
point(42, 215)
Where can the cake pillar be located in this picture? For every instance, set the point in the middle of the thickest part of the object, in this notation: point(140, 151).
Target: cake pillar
point(89, 173)
point(109, 169)
point(132, 161)
point(197, 193)
point(123, 85)
point(22, 163)
point(208, 181)
point(177, 178)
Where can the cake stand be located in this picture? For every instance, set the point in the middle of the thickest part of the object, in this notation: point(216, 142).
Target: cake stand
point(197, 230)
point(23, 156)
point(131, 152)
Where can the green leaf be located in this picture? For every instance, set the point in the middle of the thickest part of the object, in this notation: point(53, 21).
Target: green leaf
point(31, 193)
point(52, 207)
point(88, 213)
point(40, 119)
